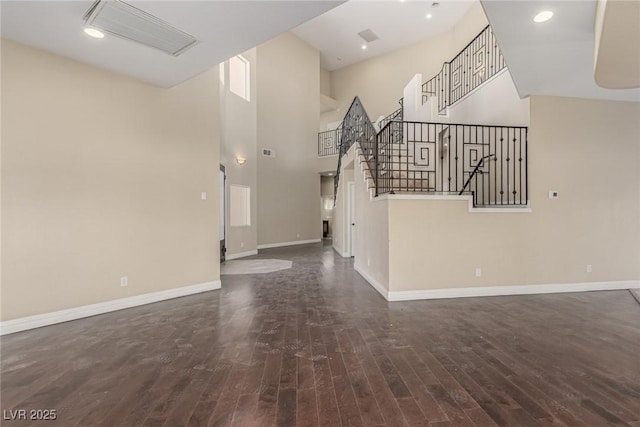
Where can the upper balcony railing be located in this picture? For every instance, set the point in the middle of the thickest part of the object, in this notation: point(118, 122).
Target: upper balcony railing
point(480, 60)
point(396, 115)
point(329, 142)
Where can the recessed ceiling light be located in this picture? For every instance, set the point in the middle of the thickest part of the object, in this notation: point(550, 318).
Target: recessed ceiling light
point(94, 33)
point(363, 47)
point(429, 16)
point(543, 16)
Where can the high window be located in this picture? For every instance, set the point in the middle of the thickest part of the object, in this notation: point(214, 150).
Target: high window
point(239, 76)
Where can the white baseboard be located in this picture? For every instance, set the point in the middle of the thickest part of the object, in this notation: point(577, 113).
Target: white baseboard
point(510, 290)
point(342, 254)
point(39, 320)
point(240, 254)
point(373, 282)
point(296, 242)
point(493, 291)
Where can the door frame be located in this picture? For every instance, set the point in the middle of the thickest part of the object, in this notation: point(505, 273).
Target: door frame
point(351, 218)
point(223, 213)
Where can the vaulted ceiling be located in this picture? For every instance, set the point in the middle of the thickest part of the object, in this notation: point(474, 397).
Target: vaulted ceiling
point(557, 57)
point(224, 29)
point(396, 23)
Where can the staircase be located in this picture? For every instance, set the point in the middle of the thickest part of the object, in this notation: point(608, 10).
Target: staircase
point(486, 162)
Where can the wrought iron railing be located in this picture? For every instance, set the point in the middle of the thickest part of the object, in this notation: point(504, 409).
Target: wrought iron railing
point(487, 162)
point(356, 127)
point(480, 60)
point(438, 87)
point(396, 115)
point(329, 142)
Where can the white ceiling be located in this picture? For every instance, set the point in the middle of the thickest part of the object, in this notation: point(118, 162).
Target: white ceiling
point(553, 58)
point(396, 23)
point(224, 28)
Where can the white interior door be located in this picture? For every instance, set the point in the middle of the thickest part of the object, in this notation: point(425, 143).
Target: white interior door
point(351, 218)
point(223, 222)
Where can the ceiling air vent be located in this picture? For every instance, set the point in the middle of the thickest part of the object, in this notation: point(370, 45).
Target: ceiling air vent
point(123, 20)
point(368, 35)
point(268, 152)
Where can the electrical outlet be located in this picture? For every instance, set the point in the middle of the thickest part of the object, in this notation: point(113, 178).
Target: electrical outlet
point(478, 272)
point(124, 281)
point(589, 268)
point(242, 244)
point(553, 194)
point(203, 195)
point(298, 235)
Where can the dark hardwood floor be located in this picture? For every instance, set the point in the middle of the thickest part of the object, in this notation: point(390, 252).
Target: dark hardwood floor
point(316, 345)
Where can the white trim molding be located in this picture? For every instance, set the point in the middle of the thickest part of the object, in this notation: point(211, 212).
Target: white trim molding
point(509, 290)
point(240, 255)
point(342, 254)
point(46, 319)
point(494, 291)
point(373, 282)
point(296, 242)
point(517, 209)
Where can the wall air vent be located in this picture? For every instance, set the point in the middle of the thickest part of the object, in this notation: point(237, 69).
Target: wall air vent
point(268, 152)
point(123, 20)
point(368, 35)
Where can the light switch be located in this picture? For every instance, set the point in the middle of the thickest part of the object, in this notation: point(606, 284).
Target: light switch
point(203, 195)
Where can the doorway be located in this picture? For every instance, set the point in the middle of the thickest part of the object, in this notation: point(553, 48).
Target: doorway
point(327, 203)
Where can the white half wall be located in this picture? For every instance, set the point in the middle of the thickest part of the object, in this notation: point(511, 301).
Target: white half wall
point(372, 245)
point(340, 211)
point(495, 102)
point(586, 150)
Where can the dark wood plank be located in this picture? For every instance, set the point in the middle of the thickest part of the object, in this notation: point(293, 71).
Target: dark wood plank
point(307, 415)
point(287, 407)
point(316, 345)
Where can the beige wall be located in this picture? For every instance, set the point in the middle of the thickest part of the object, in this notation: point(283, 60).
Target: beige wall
point(288, 83)
point(379, 82)
point(101, 178)
point(325, 82)
point(340, 221)
point(468, 27)
point(372, 245)
point(238, 124)
point(326, 164)
point(326, 185)
point(589, 151)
